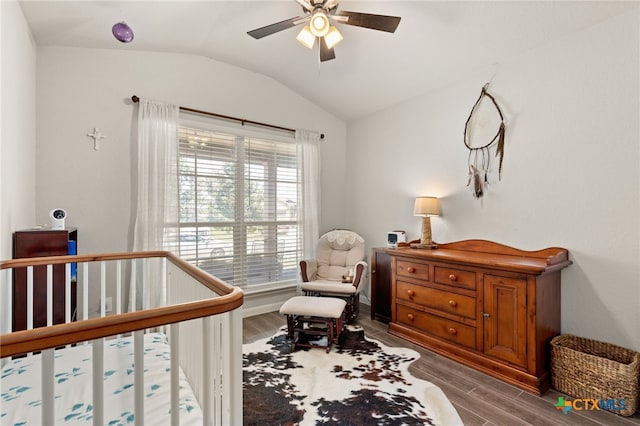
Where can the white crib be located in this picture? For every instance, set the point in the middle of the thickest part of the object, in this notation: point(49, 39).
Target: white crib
point(175, 356)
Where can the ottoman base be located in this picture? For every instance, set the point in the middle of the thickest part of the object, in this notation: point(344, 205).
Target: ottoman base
point(310, 317)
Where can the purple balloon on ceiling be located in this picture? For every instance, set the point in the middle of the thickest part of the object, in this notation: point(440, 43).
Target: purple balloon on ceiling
point(122, 32)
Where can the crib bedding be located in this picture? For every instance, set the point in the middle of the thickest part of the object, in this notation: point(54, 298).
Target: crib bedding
point(20, 394)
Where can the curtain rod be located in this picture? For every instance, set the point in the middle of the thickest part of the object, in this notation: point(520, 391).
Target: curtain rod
point(136, 99)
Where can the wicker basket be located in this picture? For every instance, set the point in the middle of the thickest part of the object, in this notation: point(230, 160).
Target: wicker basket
point(585, 368)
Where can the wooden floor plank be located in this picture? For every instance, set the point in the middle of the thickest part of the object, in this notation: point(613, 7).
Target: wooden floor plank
point(526, 410)
point(601, 417)
point(469, 418)
point(478, 406)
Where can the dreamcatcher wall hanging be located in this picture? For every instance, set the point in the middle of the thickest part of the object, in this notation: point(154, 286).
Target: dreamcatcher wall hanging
point(479, 138)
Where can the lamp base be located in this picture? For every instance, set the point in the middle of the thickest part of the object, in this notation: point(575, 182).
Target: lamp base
point(424, 246)
point(425, 239)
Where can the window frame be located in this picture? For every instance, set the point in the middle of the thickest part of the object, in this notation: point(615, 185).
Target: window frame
point(241, 256)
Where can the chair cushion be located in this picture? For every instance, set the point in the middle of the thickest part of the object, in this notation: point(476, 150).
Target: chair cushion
point(326, 286)
point(337, 253)
point(323, 307)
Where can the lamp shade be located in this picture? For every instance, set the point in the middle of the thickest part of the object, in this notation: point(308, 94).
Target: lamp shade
point(426, 206)
point(333, 37)
point(306, 38)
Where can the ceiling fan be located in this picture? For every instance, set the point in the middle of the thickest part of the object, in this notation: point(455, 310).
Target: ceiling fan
point(319, 17)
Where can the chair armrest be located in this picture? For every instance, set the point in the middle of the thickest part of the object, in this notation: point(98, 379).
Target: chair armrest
point(359, 273)
point(308, 269)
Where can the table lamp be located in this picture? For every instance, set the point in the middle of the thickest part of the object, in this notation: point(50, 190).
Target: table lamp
point(426, 207)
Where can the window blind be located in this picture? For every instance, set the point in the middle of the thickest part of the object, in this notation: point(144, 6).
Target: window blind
point(238, 198)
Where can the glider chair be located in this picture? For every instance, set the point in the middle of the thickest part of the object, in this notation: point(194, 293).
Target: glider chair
point(337, 270)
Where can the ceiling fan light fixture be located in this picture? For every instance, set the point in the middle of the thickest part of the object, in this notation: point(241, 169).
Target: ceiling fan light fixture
point(318, 19)
point(306, 37)
point(333, 37)
point(319, 24)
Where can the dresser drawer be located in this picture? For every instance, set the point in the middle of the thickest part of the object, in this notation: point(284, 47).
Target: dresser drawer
point(444, 301)
point(446, 329)
point(455, 277)
point(407, 268)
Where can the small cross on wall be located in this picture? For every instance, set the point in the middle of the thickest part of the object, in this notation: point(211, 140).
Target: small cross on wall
point(96, 135)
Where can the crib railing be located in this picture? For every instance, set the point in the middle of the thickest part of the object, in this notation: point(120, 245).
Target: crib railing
point(200, 315)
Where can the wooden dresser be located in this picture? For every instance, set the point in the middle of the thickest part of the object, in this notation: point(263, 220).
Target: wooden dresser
point(489, 306)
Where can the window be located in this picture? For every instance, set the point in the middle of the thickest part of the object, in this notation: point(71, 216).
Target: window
point(238, 205)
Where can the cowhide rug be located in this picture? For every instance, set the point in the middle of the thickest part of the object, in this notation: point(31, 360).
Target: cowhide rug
point(360, 382)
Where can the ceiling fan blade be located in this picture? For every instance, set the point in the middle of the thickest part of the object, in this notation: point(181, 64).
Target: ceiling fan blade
point(274, 28)
point(373, 22)
point(330, 4)
point(326, 54)
point(305, 4)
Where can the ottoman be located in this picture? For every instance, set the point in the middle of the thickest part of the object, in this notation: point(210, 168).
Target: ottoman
point(312, 316)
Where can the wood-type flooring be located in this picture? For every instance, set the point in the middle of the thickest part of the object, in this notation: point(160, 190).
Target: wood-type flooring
point(479, 398)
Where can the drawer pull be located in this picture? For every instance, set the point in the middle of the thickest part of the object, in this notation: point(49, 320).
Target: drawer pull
point(411, 293)
point(411, 269)
point(453, 303)
point(410, 317)
point(453, 331)
point(485, 314)
point(453, 277)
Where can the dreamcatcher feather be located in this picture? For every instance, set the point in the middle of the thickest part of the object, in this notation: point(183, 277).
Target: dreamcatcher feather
point(479, 158)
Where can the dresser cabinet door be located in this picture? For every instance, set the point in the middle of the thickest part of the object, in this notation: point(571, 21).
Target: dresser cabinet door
point(505, 319)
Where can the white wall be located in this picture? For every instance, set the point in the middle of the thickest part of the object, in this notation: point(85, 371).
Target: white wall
point(18, 143)
point(79, 89)
point(571, 175)
point(18, 135)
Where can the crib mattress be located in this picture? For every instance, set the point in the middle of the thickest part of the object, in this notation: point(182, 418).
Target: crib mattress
point(20, 393)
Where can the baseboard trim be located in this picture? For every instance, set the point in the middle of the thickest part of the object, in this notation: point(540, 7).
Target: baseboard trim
point(267, 300)
point(259, 310)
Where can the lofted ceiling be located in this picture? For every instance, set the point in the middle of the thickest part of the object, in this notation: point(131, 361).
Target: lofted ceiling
point(436, 43)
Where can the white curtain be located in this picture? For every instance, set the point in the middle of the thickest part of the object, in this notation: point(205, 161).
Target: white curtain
point(157, 206)
point(309, 203)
